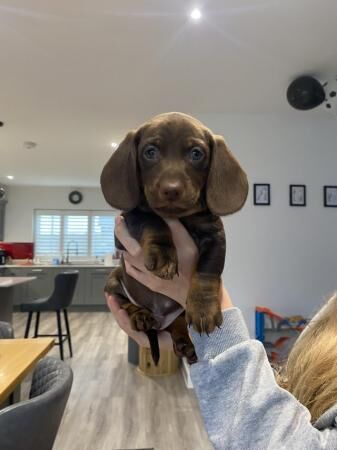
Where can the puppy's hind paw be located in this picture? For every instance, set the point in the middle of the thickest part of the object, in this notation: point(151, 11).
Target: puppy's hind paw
point(143, 320)
point(184, 348)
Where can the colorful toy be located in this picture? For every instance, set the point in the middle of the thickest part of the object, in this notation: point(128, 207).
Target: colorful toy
point(277, 333)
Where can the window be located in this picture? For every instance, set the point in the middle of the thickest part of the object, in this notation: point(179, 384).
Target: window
point(81, 234)
point(102, 234)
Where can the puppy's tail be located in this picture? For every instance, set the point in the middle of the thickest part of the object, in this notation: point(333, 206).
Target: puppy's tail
point(154, 345)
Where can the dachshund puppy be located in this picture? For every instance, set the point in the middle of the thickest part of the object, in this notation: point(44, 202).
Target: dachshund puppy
point(173, 167)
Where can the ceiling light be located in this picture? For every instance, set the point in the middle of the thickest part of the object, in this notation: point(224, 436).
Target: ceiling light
point(10, 177)
point(114, 145)
point(29, 145)
point(196, 14)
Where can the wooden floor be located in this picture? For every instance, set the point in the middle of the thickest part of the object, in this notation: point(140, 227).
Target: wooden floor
point(111, 406)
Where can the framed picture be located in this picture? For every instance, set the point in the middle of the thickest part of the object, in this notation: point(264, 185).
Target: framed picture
point(330, 196)
point(261, 194)
point(297, 195)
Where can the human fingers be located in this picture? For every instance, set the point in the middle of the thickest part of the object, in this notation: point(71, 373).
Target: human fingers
point(164, 338)
point(123, 235)
point(135, 261)
point(165, 341)
point(180, 235)
point(123, 321)
point(144, 277)
point(176, 288)
point(112, 303)
point(225, 298)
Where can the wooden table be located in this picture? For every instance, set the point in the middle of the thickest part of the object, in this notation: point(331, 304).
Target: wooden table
point(7, 286)
point(17, 358)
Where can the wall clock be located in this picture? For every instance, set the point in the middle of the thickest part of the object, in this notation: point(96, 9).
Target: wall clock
point(75, 197)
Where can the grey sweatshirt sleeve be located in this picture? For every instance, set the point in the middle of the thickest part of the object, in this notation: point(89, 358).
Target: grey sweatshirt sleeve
point(242, 405)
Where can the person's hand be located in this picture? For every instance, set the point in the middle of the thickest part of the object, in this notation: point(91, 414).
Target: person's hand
point(187, 253)
point(123, 320)
point(164, 338)
point(225, 300)
point(176, 289)
point(134, 264)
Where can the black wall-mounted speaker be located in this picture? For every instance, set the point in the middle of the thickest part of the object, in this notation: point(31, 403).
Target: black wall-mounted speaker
point(305, 93)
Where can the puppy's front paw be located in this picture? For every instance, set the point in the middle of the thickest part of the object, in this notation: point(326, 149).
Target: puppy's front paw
point(161, 260)
point(203, 310)
point(203, 318)
point(143, 320)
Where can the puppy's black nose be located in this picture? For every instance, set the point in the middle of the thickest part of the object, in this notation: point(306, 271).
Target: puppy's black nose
point(170, 190)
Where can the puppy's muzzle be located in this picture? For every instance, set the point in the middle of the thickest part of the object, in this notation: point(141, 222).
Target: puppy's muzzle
point(170, 191)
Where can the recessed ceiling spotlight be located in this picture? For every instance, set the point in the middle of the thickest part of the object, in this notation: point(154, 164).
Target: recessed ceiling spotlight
point(113, 145)
point(1, 124)
point(196, 14)
point(29, 145)
point(10, 177)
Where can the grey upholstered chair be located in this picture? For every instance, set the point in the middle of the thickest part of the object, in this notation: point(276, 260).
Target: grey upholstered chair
point(60, 299)
point(33, 424)
point(6, 330)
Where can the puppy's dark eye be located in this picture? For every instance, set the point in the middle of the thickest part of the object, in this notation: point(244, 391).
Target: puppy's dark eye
point(196, 154)
point(151, 152)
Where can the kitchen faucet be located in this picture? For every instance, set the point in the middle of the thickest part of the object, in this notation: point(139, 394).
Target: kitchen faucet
point(68, 249)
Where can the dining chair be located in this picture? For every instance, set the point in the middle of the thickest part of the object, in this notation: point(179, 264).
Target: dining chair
point(6, 330)
point(33, 424)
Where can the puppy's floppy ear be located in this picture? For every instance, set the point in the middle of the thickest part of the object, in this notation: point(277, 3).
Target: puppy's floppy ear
point(119, 178)
point(227, 184)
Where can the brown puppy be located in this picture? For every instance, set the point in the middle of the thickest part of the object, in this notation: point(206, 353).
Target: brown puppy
point(173, 166)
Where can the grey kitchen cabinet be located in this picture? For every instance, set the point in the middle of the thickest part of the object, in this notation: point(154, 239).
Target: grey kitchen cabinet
point(20, 291)
point(4, 272)
point(95, 282)
point(38, 288)
point(43, 285)
point(88, 293)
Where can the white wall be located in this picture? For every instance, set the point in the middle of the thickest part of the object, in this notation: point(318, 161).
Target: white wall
point(22, 200)
point(278, 256)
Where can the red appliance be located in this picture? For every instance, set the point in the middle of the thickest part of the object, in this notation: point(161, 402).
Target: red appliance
point(18, 250)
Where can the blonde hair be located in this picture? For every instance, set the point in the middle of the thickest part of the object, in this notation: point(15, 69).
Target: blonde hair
point(310, 373)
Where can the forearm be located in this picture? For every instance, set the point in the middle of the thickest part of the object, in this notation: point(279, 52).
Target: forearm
point(241, 403)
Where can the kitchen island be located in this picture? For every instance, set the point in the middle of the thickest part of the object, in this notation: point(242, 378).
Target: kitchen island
point(7, 290)
point(88, 296)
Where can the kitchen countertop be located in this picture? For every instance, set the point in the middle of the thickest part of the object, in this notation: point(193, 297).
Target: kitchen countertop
point(14, 281)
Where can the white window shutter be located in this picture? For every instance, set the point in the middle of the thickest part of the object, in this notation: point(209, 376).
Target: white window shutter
point(47, 229)
point(102, 235)
point(83, 234)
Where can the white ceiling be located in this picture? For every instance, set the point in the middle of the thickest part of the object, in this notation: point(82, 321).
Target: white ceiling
point(77, 74)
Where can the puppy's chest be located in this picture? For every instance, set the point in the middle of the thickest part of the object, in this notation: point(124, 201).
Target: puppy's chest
point(201, 226)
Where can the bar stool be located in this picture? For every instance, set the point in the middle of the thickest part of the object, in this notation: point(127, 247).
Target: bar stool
point(60, 299)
